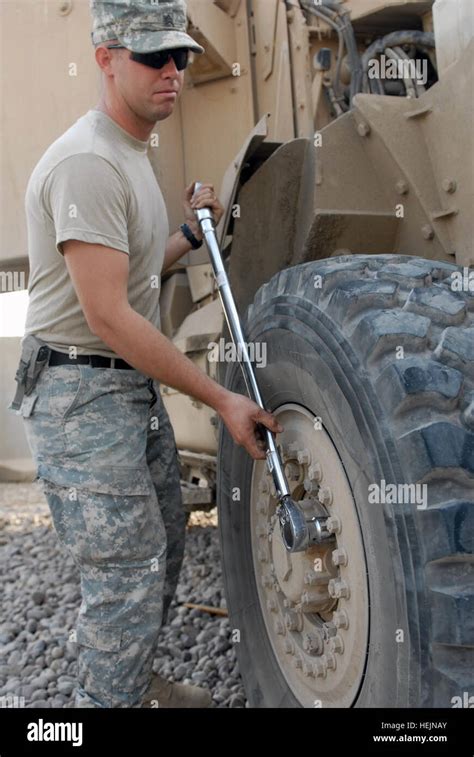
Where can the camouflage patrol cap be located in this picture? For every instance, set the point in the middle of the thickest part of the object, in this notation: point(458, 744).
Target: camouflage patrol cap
point(143, 26)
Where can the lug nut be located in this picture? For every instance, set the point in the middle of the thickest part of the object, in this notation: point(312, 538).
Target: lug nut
point(338, 588)
point(279, 628)
point(339, 556)
point(330, 660)
point(320, 668)
point(315, 472)
point(329, 631)
point(313, 644)
point(336, 644)
point(340, 619)
point(304, 456)
point(293, 621)
point(342, 590)
point(271, 605)
point(325, 495)
point(311, 487)
point(288, 646)
point(298, 662)
point(334, 524)
point(267, 582)
point(308, 669)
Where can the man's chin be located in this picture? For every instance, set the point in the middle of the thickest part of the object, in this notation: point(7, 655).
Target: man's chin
point(159, 112)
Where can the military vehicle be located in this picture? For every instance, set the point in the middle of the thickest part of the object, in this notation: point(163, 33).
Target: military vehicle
point(340, 136)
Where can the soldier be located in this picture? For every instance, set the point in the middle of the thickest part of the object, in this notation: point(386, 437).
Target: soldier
point(93, 356)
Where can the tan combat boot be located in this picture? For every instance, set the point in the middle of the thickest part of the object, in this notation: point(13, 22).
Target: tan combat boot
point(163, 693)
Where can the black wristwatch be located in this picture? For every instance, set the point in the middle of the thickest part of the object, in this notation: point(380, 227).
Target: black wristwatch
point(195, 243)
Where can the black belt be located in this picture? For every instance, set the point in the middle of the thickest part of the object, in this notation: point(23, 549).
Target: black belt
point(95, 361)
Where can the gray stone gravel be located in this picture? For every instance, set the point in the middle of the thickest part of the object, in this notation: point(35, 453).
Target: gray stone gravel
point(40, 598)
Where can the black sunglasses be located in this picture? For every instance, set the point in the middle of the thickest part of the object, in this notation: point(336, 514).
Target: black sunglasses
point(158, 59)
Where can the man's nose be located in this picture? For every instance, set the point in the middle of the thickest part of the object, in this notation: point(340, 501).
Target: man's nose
point(170, 69)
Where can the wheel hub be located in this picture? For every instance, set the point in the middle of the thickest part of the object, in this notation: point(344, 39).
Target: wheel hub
point(314, 602)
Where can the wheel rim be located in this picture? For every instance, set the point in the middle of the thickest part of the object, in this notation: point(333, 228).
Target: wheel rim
point(314, 603)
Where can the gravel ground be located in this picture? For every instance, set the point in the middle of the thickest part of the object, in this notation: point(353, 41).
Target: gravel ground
point(40, 598)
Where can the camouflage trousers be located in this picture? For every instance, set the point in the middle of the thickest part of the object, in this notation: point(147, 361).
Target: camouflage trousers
point(106, 455)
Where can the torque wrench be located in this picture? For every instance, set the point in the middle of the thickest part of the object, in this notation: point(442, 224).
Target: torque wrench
point(299, 530)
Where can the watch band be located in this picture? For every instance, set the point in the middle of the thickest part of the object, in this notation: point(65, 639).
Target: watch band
point(195, 243)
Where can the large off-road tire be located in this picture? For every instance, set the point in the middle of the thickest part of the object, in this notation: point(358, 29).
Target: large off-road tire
point(370, 369)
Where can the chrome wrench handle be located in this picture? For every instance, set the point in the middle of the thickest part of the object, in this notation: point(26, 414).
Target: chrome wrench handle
point(297, 532)
point(206, 220)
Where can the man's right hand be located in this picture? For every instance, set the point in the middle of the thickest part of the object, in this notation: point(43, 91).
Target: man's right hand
point(240, 414)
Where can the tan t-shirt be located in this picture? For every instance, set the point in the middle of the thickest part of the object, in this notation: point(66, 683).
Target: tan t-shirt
point(94, 184)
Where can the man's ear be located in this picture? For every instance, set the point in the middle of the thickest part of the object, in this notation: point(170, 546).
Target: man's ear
point(104, 58)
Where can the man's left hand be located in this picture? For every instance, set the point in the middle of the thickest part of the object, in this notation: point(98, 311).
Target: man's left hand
point(205, 198)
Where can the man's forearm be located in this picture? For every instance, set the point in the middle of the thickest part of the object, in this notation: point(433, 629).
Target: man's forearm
point(138, 342)
point(177, 246)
